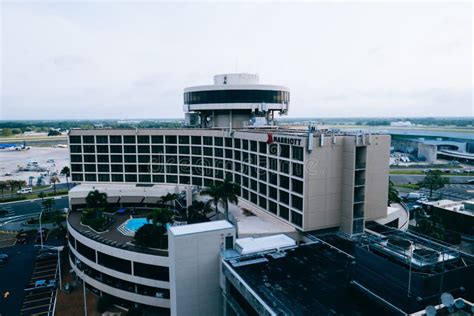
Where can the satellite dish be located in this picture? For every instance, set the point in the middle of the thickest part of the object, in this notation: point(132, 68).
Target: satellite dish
point(447, 299)
point(430, 310)
point(459, 303)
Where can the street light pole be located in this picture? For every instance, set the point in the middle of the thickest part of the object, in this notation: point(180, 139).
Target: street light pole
point(84, 292)
point(409, 273)
point(59, 270)
point(41, 230)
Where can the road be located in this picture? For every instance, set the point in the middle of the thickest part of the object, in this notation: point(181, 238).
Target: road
point(25, 209)
point(415, 178)
point(59, 186)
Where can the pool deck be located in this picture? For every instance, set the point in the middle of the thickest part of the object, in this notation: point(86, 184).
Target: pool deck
point(112, 237)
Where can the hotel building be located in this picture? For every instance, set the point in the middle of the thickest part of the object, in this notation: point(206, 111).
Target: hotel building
point(309, 179)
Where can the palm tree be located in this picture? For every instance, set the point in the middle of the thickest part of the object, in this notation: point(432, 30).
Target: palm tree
point(160, 217)
point(11, 185)
point(54, 180)
point(230, 193)
point(169, 197)
point(48, 205)
point(96, 200)
point(3, 186)
point(214, 192)
point(392, 193)
point(67, 173)
point(197, 211)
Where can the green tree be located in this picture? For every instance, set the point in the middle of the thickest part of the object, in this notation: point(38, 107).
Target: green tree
point(150, 235)
point(3, 186)
point(12, 185)
point(433, 181)
point(214, 192)
point(20, 184)
point(223, 192)
point(54, 180)
point(168, 200)
point(7, 132)
point(42, 195)
point(393, 196)
point(160, 217)
point(96, 200)
point(197, 212)
point(48, 205)
point(67, 173)
point(53, 132)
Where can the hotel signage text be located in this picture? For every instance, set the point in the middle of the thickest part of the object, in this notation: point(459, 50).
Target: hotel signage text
point(283, 140)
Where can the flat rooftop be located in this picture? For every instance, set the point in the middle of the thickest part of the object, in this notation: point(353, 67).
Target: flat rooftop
point(312, 279)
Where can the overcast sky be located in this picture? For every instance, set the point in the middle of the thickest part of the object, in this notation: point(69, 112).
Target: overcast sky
point(132, 60)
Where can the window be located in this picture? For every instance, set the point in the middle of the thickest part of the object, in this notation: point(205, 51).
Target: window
point(117, 168)
point(297, 153)
point(262, 147)
point(262, 201)
point(171, 150)
point(159, 178)
point(89, 158)
point(273, 192)
point(218, 141)
point(196, 140)
point(171, 169)
point(285, 151)
point(115, 139)
point(130, 178)
point(284, 197)
point(229, 242)
point(237, 96)
point(130, 158)
point(102, 148)
point(284, 212)
point(184, 150)
point(284, 166)
point(272, 207)
point(245, 144)
point(143, 139)
point(170, 139)
point(90, 177)
point(76, 167)
point(77, 177)
point(218, 152)
point(297, 219)
point(184, 139)
point(171, 179)
point(237, 143)
point(103, 168)
point(130, 168)
point(157, 139)
point(144, 178)
point(87, 252)
point(143, 149)
point(104, 177)
point(273, 164)
point(88, 139)
point(151, 272)
point(143, 159)
point(253, 146)
point(297, 186)
point(101, 139)
point(117, 178)
point(273, 178)
point(116, 149)
point(89, 148)
point(196, 150)
point(228, 142)
point(116, 158)
point(273, 149)
point(89, 168)
point(129, 149)
point(129, 140)
point(114, 263)
point(298, 170)
point(297, 202)
point(157, 149)
point(144, 168)
point(207, 140)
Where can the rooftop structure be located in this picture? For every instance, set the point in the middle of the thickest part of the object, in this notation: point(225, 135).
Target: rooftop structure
point(234, 101)
point(251, 245)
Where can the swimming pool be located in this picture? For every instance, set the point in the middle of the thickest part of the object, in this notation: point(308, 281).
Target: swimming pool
point(131, 226)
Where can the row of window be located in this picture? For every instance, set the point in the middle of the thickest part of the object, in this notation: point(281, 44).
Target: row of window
point(121, 265)
point(236, 96)
point(119, 283)
point(103, 146)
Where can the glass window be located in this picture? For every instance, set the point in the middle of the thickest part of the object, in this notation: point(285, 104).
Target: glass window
point(172, 179)
point(273, 164)
point(297, 153)
point(144, 178)
point(116, 158)
point(114, 263)
point(207, 140)
point(184, 139)
point(86, 251)
point(115, 139)
point(76, 158)
point(89, 158)
point(116, 149)
point(104, 177)
point(207, 151)
point(184, 150)
point(218, 141)
point(237, 143)
point(76, 167)
point(88, 139)
point(117, 168)
point(75, 148)
point(253, 146)
point(143, 139)
point(143, 149)
point(130, 178)
point(129, 149)
point(273, 178)
point(284, 182)
point(284, 197)
point(228, 142)
point(273, 192)
point(196, 140)
point(102, 148)
point(117, 178)
point(262, 201)
point(158, 178)
point(103, 168)
point(297, 219)
point(273, 149)
point(89, 148)
point(151, 271)
point(129, 139)
point(144, 168)
point(297, 170)
point(272, 207)
point(157, 139)
point(285, 151)
point(130, 158)
point(144, 158)
point(102, 139)
point(171, 169)
point(157, 149)
point(297, 202)
point(297, 186)
point(284, 212)
point(130, 168)
point(262, 147)
point(77, 177)
point(285, 166)
point(196, 150)
point(170, 139)
point(89, 168)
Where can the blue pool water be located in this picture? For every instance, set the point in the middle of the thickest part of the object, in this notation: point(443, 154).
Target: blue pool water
point(135, 223)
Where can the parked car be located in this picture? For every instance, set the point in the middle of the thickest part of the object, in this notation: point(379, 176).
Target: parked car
point(24, 191)
point(45, 284)
point(22, 239)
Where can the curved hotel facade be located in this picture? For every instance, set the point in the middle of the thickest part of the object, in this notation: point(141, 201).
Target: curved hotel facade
point(308, 179)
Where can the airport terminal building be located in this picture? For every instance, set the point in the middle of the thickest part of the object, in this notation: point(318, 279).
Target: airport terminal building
point(308, 179)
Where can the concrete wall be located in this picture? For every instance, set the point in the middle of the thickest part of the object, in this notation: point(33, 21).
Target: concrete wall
point(195, 271)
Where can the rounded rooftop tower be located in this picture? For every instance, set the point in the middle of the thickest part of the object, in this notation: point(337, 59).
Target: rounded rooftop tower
point(234, 101)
